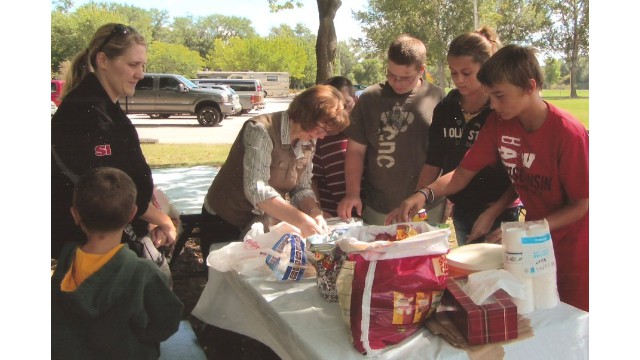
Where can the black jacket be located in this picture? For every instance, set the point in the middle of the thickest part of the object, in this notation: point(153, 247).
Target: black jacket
point(449, 139)
point(89, 131)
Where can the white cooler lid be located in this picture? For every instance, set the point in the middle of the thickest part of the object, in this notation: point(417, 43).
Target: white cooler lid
point(476, 257)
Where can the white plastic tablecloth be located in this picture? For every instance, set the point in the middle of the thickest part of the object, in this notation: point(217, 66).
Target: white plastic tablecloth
point(185, 187)
point(293, 320)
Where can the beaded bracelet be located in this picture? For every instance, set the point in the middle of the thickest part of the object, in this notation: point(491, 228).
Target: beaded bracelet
point(426, 196)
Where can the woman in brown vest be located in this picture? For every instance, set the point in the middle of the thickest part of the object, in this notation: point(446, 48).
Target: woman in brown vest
point(267, 176)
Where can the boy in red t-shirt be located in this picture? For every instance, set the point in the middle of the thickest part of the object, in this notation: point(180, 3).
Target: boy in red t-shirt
point(546, 153)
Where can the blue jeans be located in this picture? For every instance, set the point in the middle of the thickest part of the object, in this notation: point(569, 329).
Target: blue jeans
point(463, 222)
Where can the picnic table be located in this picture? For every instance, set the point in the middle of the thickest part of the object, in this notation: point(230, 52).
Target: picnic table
point(294, 320)
point(186, 188)
point(297, 323)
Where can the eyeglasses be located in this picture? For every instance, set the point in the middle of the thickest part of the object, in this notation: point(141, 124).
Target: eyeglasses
point(117, 29)
point(400, 79)
point(321, 129)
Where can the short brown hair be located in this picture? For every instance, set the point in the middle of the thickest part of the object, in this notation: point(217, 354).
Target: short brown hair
point(512, 64)
point(319, 104)
point(104, 198)
point(407, 50)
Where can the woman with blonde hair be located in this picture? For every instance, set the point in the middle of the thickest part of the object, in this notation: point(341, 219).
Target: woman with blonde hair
point(90, 130)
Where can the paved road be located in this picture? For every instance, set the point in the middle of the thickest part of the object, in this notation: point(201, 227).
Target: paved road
point(186, 130)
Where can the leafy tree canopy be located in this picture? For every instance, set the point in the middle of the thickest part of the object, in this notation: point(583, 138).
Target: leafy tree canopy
point(173, 58)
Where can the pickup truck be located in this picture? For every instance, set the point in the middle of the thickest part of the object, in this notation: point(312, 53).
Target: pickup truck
point(163, 95)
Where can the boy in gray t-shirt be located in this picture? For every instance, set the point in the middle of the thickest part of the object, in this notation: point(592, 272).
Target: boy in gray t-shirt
point(388, 136)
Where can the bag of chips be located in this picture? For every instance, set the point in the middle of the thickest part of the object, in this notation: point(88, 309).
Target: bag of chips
point(390, 287)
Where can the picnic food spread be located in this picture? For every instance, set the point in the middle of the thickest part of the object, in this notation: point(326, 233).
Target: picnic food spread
point(390, 280)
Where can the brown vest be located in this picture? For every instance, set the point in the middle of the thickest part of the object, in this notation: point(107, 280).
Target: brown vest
point(226, 195)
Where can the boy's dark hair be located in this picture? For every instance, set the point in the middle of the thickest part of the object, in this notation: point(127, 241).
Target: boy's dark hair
point(407, 50)
point(104, 198)
point(338, 82)
point(512, 64)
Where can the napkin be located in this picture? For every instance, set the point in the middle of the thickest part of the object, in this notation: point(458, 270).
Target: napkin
point(481, 285)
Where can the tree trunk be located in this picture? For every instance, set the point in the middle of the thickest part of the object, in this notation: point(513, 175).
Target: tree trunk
point(326, 43)
point(574, 57)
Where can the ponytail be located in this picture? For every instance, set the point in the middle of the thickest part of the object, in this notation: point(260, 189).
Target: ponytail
point(79, 68)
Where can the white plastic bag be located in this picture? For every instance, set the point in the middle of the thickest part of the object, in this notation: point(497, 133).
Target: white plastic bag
point(249, 256)
point(429, 240)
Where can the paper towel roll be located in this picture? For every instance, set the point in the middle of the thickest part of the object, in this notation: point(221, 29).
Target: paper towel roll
point(545, 291)
point(517, 270)
point(537, 230)
point(512, 244)
point(512, 239)
point(527, 304)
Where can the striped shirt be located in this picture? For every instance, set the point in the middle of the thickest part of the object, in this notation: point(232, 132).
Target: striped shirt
point(328, 171)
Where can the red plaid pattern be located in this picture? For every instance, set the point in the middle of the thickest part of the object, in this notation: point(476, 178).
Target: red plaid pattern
point(481, 324)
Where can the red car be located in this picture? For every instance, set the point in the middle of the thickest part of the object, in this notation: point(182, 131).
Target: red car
point(56, 90)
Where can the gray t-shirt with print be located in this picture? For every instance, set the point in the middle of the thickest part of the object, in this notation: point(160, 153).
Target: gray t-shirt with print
point(395, 129)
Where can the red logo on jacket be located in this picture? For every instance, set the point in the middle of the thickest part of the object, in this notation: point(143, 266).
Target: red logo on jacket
point(103, 150)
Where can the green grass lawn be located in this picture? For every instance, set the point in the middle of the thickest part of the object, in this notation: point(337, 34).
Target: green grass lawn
point(577, 107)
point(187, 155)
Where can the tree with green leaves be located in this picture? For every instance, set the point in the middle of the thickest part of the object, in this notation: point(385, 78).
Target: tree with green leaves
point(305, 39)
point(346, 59)
point(369, 71)
point(173, 58)
point(160, 21)
point(308, 40)
point(516, 21)
point(437, 22)
point(570, 34)
point(278, 53)
point(433, 22)
point(326, 42)
point(552, 72)
point(71, 31)
point(212, 27)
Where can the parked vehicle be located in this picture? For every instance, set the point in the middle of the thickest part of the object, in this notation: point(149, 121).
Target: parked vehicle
point(232, 96)
point(163, 95)
point(224, 88)
point(56, 90)
point(249, 90)
point(273, 83)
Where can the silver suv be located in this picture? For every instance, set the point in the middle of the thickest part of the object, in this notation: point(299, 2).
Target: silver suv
point(250, 91)
point(163, 95)
point(226, 89)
